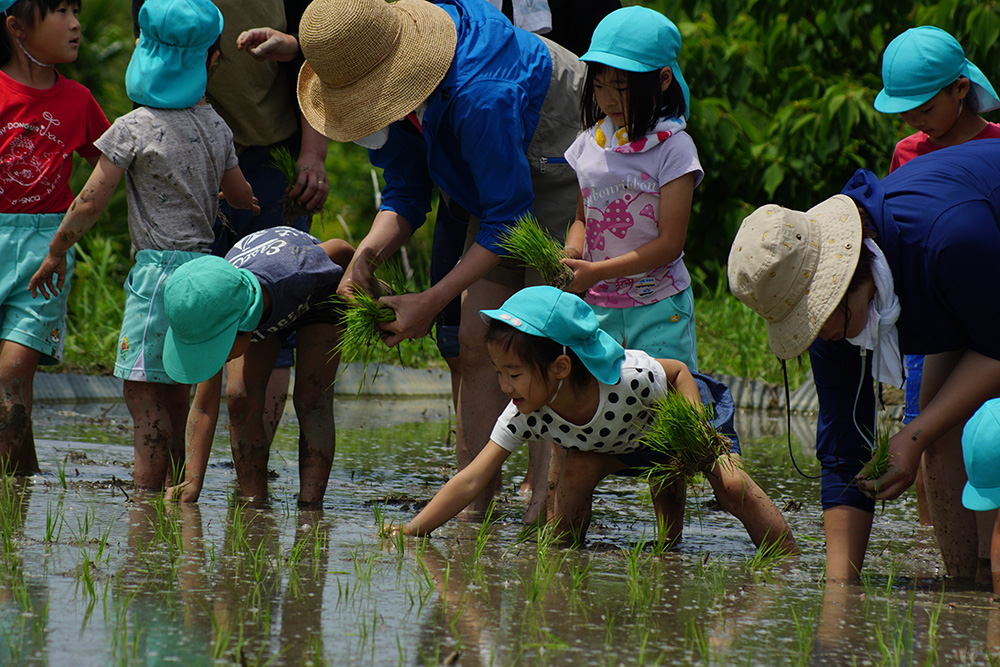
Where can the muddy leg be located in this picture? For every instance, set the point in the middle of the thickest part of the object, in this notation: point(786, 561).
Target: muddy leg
point(573, 496)
point(743, 498)
point(480, 400)
point(542, 456)
point(246, 388)
point(276, 397)
point(315, 372)
point(153, 408)
point(668, 502)
point(17, 373)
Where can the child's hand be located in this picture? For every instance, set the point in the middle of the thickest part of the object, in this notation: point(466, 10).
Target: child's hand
point(187, 491)
point(42, 280)
point(268, 44)
point(585, 274)
point(311, 187)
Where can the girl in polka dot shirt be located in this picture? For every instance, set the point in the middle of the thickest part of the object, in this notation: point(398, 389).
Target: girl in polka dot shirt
point(570, 383)
point(637, 169)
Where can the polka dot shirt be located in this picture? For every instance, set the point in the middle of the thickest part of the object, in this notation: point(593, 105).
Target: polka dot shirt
point(622, 413)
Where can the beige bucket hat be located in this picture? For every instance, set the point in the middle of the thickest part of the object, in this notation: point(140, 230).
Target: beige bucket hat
point(370, 62)
point(793, 268)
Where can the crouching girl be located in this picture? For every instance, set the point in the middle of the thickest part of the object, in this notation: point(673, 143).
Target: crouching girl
point(571, 383)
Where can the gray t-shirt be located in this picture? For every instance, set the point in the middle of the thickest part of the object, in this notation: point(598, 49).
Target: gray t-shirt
point(174, 161)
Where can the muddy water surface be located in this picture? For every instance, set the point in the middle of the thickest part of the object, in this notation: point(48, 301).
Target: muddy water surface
point(90, 576)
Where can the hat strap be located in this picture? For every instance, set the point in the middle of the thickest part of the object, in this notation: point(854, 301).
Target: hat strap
point(31, 57)
point(375, 63)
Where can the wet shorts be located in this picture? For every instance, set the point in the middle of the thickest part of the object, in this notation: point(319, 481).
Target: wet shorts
point(36, 323)
point(139, 355)
point(663, 330)
point(713, 393)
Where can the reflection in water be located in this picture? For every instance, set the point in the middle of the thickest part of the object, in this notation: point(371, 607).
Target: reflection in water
point(87, 578)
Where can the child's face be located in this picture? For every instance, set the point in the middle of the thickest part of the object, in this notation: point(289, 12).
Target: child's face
point(523, 385)
point(937, 116)
point(55, 39)
point(611, 93)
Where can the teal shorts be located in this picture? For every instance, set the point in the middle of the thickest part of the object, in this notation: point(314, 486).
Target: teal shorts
point(139, 355)
point(39, 324)
point(663, 330)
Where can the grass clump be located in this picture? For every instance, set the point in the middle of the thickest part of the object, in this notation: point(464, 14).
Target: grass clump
point(684, 432)
point(283, 160)
point(527, 242)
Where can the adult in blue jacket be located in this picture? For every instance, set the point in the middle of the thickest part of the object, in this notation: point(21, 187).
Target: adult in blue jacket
point(446, 93)
point(905, 265)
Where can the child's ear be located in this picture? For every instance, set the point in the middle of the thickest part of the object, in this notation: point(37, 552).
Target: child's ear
point(666, 78)
point(561, 367)
point(962, 86)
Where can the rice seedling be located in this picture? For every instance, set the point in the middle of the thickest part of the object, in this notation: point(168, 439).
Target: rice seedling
point(288, 165)
point(879, 463)
point(363, 315)
point(61, 472)
point(683, 432)
point(804, 638)
point(767, 556)
point(527, 242)
point(697, 642)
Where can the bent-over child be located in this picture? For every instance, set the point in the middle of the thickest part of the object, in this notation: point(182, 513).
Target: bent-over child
point(241, 309)
point(174, 151)
point(571, 383)
point(44, 118)
point(981, 451)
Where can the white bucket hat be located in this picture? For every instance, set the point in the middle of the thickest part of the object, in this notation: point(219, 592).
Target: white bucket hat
point(793, 268)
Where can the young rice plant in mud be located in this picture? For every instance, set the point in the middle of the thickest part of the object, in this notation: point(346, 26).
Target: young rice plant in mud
point(684, 432)
point(285, 162)
point(527, 242)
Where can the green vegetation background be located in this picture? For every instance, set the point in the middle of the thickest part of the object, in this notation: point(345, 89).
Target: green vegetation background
point(782, 112)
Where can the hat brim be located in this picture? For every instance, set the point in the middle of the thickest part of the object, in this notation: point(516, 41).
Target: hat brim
point(840, 248)
point(603, 357)
point(191, 363)
point(886, 103)
point(980, 500)
point(393, 88)
point(619, 62)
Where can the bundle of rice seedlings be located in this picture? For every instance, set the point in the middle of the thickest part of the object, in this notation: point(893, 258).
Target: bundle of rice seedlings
point(362, 335)
point(285, 162)
point(879, 463)
point(684, 432)
point(527, 242)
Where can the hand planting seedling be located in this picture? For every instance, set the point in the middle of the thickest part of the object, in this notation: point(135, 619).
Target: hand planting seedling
point(285, 162)
point(879, 463)
point(526, 241)
point(684, 432)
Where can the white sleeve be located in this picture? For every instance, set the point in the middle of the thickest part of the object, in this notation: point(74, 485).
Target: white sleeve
point(509, 429)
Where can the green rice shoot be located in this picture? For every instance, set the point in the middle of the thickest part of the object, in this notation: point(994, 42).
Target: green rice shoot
point(528, 243)
point(361, 339)
point(879, 463)
point(684, 432)
point(286, 163)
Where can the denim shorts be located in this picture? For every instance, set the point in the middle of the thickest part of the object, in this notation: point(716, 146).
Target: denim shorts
point(36, 323)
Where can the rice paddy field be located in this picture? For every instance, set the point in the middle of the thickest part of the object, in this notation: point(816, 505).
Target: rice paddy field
point(90, 575)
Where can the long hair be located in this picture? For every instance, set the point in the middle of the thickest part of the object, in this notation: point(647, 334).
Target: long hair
point(645, 102)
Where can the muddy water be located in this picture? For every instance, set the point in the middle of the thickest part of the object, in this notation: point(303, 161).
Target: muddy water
point(88, 577)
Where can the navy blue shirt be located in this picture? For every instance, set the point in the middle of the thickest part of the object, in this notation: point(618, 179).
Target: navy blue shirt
point(294, 270)
point(478, 124)
point(938, 223)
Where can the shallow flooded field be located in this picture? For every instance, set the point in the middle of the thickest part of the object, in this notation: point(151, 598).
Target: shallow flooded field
point(89, 576)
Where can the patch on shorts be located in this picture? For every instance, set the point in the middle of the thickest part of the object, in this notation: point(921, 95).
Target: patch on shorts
point(55, 335)
point(124, 346)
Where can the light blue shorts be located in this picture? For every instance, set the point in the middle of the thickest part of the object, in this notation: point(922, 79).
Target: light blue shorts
point(663, 330)
point(39, 324)
point(139, 354)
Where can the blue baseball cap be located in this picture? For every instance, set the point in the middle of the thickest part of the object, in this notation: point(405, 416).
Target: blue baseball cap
point(981, 451)
point(207, 301)
point(168, 69)
point(6, 4)
point(638, 39)
point(920, 62)
point(549, 312)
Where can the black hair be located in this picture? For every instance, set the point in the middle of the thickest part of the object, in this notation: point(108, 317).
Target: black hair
point(216, 47)
point(27, 12)
point(646, 101)
point(537, 352)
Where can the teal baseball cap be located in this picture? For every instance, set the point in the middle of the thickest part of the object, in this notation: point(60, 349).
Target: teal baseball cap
point(6, 4)
point(567, 319)
point(168, 69)
point(981, 451)
point(207, 300)
point(921, 61)
point(638, 39)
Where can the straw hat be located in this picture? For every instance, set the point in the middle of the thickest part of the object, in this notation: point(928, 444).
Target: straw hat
point(370, 62)
point(793, 268)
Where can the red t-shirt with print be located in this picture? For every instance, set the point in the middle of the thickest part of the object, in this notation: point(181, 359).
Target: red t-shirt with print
point(39, 130)
point(919, 143)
